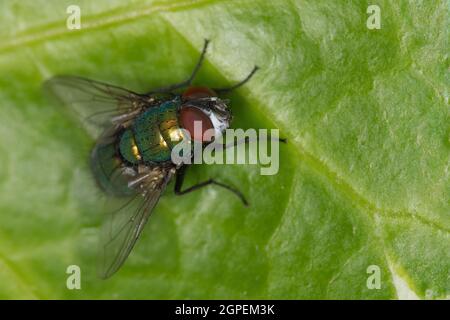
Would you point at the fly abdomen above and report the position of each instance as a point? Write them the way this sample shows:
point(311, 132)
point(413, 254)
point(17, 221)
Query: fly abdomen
point(128, 148)
point(108, 166)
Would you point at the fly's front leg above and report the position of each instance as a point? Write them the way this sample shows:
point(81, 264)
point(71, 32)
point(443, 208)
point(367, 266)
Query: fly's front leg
point(247, 140)
point(180, 179)
point(237, 85)
point(189, 80)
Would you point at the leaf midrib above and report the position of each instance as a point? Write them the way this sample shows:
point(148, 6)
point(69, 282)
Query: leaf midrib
point(112, 17)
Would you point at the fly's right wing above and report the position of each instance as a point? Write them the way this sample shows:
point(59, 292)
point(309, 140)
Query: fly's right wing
point(123, 227)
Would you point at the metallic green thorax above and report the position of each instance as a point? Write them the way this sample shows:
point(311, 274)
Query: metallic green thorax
point(152, 135)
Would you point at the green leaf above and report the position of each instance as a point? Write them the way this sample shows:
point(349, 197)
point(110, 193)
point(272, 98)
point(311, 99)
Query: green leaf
point(363, 180)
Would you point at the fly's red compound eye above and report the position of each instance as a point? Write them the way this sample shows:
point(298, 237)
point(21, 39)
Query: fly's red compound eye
point(188, 117)
point(198, 92)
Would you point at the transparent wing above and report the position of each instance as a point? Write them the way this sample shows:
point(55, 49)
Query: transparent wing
point(123, 227)
point(95, 103)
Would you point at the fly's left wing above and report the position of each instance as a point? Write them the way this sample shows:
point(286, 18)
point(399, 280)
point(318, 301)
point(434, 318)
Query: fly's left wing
point(123, 227)
point(95, 103)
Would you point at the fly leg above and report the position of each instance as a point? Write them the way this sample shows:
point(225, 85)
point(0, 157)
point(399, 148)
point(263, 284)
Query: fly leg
point(180, 179)
point(189, 80)
point(237, 85)
point(247, 141)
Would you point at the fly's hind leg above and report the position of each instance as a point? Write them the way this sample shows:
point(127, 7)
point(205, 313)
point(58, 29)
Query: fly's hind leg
point(189, 80)
point(180, 179)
